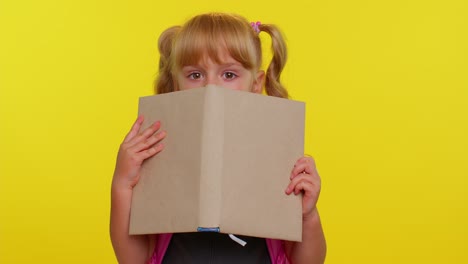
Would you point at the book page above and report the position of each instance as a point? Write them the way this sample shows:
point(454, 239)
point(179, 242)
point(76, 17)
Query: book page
point(264, 136)
point(167, 195)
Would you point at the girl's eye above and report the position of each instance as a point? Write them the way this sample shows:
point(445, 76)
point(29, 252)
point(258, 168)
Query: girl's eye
point(195, 75)
point(229, 75)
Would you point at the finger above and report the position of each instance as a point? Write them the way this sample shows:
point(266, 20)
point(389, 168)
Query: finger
point(151, 151)
point(302, 186)
point(300, 168)
point(306, 159)
point(148, 132)
point(312, 177)
point(149, 142)
point(297, 180)
point(134, 130)
point(303, 167)
point(309, 190)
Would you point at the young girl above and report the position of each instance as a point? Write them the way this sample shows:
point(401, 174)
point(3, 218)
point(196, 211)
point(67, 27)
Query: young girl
point(222, 50)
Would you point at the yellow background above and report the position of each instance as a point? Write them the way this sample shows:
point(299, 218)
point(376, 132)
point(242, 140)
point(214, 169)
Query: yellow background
point(387, 119)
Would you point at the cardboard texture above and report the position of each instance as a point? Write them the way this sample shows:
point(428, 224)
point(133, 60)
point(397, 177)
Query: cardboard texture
point(226, 163)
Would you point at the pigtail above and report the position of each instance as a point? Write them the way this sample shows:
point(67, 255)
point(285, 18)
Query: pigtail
point(165, 83)
point(273, 85)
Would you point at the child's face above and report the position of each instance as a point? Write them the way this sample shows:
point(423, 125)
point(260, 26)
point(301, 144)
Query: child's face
point(229, 74)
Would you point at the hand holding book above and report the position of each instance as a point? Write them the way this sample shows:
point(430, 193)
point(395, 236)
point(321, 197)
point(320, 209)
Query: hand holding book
point(136, 148)
point(305, 179)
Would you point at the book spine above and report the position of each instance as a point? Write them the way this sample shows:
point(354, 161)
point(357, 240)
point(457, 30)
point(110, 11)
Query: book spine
point(211, 158)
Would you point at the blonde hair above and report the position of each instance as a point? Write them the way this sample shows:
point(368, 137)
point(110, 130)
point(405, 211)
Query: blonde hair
point(211, 33)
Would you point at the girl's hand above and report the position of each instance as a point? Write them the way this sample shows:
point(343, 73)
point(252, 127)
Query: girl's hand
point(136, 148)
point(305, 179)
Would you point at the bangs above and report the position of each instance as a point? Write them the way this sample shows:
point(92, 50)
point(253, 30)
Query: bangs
point(209, 36)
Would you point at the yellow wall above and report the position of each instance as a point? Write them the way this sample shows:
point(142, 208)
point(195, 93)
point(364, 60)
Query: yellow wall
point(386, 86)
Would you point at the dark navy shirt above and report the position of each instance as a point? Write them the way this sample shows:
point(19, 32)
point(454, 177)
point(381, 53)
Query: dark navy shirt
point(208, 247)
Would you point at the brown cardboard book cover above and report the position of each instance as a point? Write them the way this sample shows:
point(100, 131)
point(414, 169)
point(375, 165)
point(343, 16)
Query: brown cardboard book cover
point(226, 163)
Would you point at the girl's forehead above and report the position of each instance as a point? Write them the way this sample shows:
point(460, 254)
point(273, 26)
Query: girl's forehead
point(219, 51)
point(222, 57)
point(206, 57)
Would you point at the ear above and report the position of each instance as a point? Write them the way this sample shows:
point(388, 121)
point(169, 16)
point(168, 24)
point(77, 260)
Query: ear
point(258, 82)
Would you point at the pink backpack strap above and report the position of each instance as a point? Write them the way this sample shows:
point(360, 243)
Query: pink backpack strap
point(162, 242)
point(275, 248)
point(277, 252)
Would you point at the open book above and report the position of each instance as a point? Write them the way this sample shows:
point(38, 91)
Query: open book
point(227, 160)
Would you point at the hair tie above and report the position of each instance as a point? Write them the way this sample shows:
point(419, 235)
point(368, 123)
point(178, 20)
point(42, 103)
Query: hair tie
point(255, 26)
